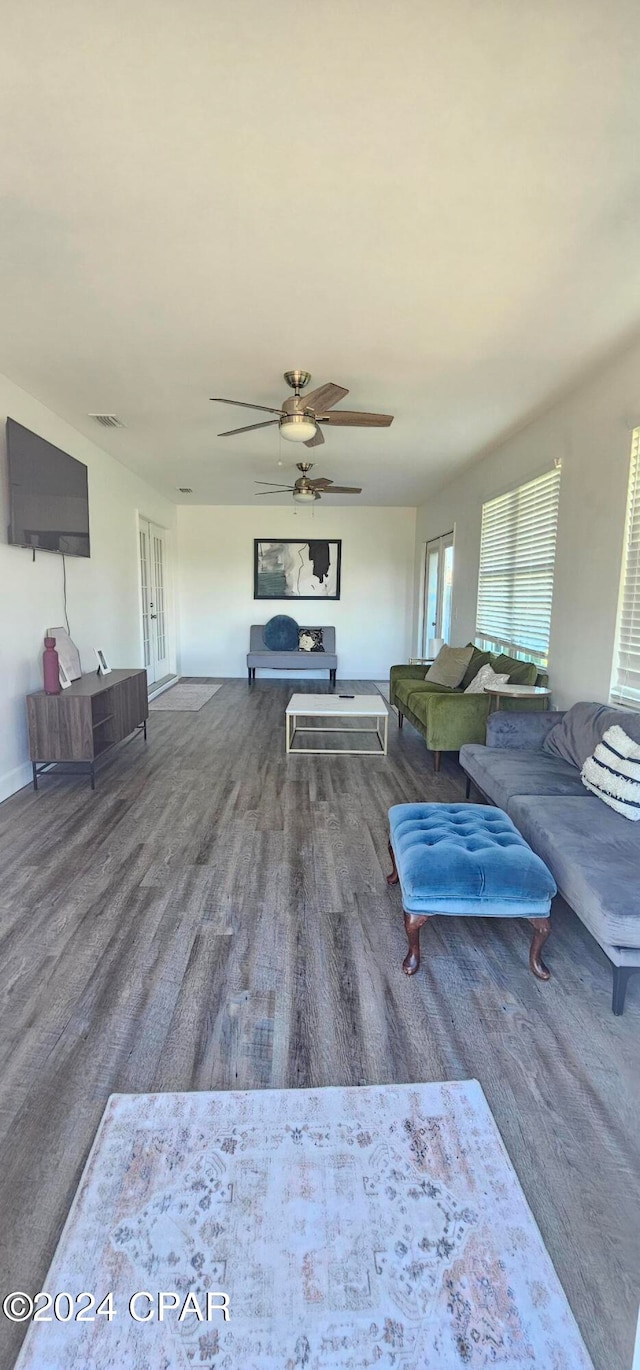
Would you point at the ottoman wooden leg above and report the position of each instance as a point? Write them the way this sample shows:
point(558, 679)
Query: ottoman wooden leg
point(394, 877)
point(541, 929)
point(413, 923)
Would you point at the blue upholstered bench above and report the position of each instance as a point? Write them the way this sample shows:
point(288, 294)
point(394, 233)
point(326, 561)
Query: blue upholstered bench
point(466, 859)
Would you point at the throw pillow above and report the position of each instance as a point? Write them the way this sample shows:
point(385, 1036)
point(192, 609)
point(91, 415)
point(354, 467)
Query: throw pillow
point(486, 679)
point(281, 634)
point(613, 773)
point(449, 666)
point(478, 659)
point(310, 640)
point(519, 672)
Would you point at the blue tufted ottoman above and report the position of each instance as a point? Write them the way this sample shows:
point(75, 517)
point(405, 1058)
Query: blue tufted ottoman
point(466, 859)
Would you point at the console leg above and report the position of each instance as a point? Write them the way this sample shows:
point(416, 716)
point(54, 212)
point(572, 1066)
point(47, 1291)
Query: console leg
point(400, 719)
point(35, 776)
point(413, 923)
point(144, 729)
point(437, 757)
point(541, 929)
point(394, 877)
point(621, 977)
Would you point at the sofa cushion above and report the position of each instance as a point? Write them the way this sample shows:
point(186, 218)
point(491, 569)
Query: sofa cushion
point(281, 634)
point(582, 728)
point(486, 679)
point(502, 773)
point(519, 672)
point(594, 855)
point(450, 666)
point(478, 659)
point(613, 773)
point(405, 688)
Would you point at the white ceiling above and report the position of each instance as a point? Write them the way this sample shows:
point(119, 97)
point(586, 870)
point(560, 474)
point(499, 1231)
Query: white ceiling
point(432, 202)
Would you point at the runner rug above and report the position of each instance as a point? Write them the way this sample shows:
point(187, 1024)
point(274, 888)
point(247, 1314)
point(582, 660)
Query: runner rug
point(381, 1226)
point(188, 698)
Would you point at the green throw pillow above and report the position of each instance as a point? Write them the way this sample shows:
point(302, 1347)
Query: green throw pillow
point(449, 666)
point(519, 672)
point(478, 659)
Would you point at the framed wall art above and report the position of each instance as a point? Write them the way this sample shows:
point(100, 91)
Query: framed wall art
point(287, 568)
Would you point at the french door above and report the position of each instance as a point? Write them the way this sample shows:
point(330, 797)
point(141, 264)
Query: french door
point(153, 572)
point(438, 585)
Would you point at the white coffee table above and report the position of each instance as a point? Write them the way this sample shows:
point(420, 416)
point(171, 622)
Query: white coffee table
point(333, 708)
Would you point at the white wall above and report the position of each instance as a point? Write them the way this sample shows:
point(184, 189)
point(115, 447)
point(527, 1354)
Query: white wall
point(590, 431)
point(102, 592)
point(215, 558)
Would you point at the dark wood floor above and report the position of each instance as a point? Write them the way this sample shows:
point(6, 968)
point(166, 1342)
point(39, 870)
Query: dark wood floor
point(216, 917)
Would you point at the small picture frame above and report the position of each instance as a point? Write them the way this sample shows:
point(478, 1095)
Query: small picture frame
point(103, 665)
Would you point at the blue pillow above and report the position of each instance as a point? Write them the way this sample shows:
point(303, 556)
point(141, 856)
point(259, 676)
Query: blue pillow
point(281, 634)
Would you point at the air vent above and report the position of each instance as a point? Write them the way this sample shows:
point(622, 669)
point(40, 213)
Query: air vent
point(184, 489)
point(108, 420)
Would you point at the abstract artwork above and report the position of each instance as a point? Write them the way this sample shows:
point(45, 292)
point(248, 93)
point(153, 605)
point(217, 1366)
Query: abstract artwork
point(381, 1226)
point(289, 569)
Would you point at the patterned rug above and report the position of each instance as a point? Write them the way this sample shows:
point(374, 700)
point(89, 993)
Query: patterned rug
point(381, 1226)
point(185, 698)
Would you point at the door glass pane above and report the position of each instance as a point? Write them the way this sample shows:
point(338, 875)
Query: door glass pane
point(158, 563)
point(431, 613)
point(144, 580)
point(447, 587)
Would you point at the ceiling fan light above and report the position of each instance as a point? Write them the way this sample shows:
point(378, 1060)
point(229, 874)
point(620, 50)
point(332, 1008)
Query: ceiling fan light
point(304, 496)
point(297, 428)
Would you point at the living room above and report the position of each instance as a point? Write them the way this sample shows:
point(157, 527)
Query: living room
point(320, 921)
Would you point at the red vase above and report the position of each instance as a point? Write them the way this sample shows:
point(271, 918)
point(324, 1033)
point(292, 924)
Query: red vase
point(51, 667)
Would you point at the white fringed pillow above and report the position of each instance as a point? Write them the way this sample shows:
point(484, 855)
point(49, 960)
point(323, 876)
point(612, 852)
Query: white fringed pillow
point(613, 772)
point(486, 678)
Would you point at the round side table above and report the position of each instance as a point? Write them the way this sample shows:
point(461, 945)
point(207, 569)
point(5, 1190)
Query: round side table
point(499, 692)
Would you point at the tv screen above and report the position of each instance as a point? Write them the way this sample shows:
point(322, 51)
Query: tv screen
point(48, 495)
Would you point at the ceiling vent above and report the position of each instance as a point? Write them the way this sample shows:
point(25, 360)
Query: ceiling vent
point(107, 420)
point(185, 489)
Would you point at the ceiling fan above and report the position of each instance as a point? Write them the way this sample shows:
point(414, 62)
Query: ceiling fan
point(300, 415)
point(306, 491)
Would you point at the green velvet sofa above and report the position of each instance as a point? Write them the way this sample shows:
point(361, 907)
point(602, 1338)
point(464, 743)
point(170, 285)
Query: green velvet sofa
point(446, 718)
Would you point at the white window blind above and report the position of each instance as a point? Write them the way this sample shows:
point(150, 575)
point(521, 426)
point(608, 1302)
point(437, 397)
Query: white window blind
point(625, 687)
point(517, 558)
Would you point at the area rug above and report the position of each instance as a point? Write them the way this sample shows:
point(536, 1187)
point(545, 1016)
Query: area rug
point(381, 1226)
point(185, 698)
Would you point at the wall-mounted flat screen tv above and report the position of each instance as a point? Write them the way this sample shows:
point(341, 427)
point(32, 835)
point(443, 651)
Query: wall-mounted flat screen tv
point(48, 495)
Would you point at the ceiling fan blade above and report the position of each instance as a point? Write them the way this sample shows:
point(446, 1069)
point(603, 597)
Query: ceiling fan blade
point(324, 397)
point(343, 490)
point(274, 484)
point(242, 404)
point(320, 482)
point(317, 440)
point(286, 490)
point(249, 428)
point(351, 418)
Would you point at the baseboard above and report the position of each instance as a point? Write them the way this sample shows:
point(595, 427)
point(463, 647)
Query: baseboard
point(15, 780)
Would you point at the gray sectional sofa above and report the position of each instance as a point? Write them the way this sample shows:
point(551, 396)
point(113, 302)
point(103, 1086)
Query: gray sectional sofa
point(260, 658)
point(530, 767)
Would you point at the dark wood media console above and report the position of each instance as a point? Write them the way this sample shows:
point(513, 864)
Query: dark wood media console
point(84, 721)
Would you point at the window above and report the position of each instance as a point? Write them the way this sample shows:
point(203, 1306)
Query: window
point(517, 557)
point(625, 686)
